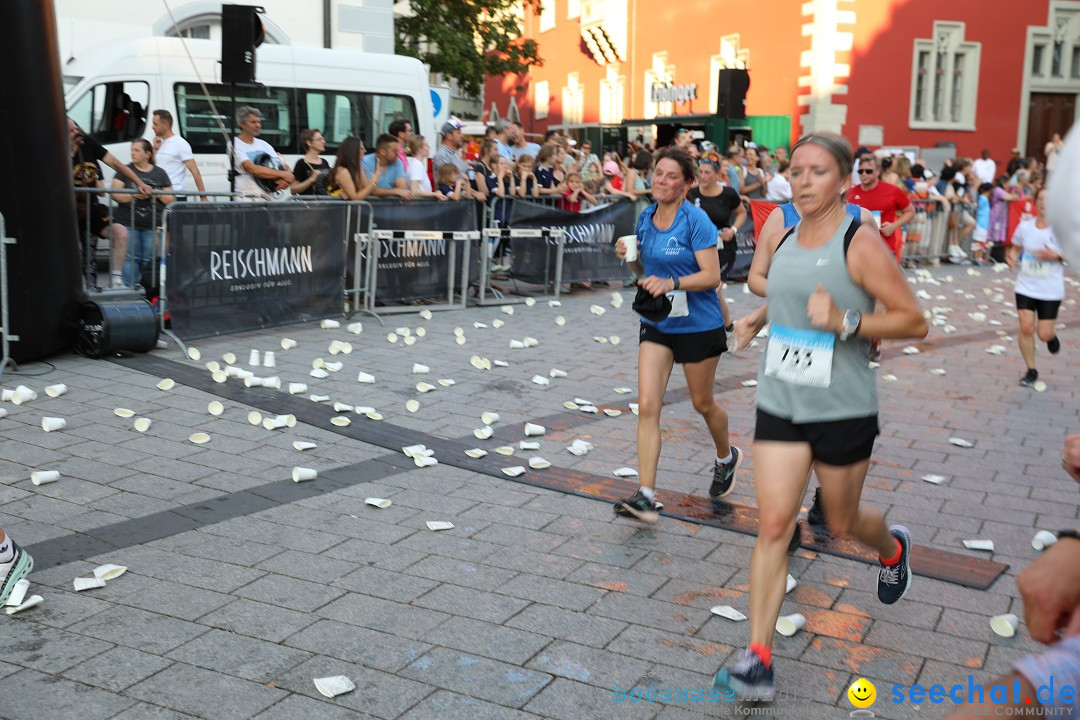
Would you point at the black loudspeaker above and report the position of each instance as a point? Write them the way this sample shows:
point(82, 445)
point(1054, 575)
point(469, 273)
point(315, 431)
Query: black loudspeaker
point(111, 326)
point(732, 94)
point(241, 32)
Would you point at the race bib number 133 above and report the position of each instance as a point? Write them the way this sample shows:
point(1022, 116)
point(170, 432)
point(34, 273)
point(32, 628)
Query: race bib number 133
point(802, 357)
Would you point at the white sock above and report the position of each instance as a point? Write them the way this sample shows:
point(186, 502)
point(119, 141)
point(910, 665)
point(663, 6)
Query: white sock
point(721, 461)
point(7, 551)
point(649, 493)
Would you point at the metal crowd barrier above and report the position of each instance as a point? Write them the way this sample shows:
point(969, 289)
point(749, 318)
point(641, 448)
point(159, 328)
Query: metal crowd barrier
point(6, 338)
point(927, 236)
point(411, 281)
point(552, 275)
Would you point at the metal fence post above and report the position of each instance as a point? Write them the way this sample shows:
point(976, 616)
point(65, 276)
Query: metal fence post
point(5, 321)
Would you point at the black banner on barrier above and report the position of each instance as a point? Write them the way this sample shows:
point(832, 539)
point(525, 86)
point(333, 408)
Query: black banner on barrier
point(417, 269)
point(744, 251)
point(588, 253)
point(243, 266)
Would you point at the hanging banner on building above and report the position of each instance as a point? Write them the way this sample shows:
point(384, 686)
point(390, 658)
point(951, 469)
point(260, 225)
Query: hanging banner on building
point(416, 267)
point(245, 266)
point(588, 250)
point(1019, 211)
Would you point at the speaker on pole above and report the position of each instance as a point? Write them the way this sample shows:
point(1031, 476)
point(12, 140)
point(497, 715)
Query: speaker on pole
point(731, 102)
point(241, 32)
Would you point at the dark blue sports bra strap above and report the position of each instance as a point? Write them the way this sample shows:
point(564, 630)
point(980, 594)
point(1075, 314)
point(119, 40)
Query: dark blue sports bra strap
point(850, 233)
point(786, 236)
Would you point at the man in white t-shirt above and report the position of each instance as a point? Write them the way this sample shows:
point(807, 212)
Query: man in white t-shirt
point(985, 168)
point(259, 169)
point(172, 154)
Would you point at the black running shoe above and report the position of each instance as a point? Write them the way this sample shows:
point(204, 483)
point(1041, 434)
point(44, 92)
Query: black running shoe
point(796, 538)
point(638, 507)
point(816, 516)
point(1053, 345)
point(875, 350)
point(724, 474)
point(1029, 378)
point(749, 680)
point(894, 580)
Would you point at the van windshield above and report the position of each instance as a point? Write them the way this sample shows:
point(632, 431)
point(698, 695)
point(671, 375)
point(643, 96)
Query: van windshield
point(287, 111)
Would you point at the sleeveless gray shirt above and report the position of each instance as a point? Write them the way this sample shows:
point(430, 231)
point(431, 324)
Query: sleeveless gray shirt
point(793, 276)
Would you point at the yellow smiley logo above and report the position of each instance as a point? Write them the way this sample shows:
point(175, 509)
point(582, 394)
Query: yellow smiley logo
point(862, 693)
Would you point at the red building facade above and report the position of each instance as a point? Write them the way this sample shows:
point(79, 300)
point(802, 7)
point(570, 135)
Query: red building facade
point(980, 74)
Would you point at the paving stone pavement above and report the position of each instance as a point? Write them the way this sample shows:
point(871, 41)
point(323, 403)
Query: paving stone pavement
point(242, 587)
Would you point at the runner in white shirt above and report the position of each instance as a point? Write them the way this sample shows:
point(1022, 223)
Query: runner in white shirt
point(172, 154)
point(1040, 284)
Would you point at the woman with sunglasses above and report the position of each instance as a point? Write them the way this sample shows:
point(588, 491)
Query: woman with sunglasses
point(816, 397)
point(724, 207)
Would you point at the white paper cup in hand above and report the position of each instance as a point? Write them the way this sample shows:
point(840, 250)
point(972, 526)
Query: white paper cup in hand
point(788, 625)
point(630, 242)
point(1005, 625)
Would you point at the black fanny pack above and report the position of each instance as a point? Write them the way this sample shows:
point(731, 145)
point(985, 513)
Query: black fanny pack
point(653, 309)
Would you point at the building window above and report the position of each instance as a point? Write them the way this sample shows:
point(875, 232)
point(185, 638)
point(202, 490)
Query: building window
point(945, 80)
point(573, 100)
point(612, 96)
point(1075, 62)
point(573, 9)
point(542, 100)
point(1037, 53)
point(547, 15)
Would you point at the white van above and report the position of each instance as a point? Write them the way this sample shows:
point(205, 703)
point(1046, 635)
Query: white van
point(341, 92)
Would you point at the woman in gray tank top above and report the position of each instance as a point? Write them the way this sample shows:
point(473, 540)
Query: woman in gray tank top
point(816, 395)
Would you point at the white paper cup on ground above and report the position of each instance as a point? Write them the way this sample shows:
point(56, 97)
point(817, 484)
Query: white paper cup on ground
point(726, 611)
point(88, 583)
point(419, 369)
point(269, 359)
point(49, 424)
point(1004, 625)
point(330, 324)
point(366, 378)
point(297, 388)
point(23, 394)
point(1043, 539)
point(288, 343)
point(381, 503)
point(44, 477)
point(630, 242)
point(302, 445)
point(336, 685)
point(215, 408)
point(18, 593)
point(489, 418)
point(254, 359)
point(439, 525)
point(109, 571)
point(32, 601)
point(142, 424)
point(300, 474)
point(788, 625)
point(55, 391)
point(484, 433)
point(199, 438)
point(533, 430)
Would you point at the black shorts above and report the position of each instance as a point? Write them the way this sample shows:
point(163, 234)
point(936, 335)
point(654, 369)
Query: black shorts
point(727, 259)
point(99, 219)
point(687, 347)
point(1045, 309)
point(836, 442)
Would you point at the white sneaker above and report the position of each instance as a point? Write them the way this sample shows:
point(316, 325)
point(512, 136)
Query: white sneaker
point(118, 282)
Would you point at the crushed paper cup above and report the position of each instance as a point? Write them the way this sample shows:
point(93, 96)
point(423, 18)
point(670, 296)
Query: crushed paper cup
point(484, 433)
point(612, 412)
point(479, 326)
point(538, 463)
point(446, 382)
point(215, 408)
point(302, 445)
point(318, 398)
point(996, 349)
point(507, 309)
point(530, 342)
point(300, 474)
point(422, 461)
point(229, 358)
point(419, 369)
point(334, 347)
point(18, 593)
point(49, 424)
point(516, 345)
point(477, 362)
point(579, 447)
point(890, 377)
point(3, 412)
point(340, 421)
point(459, 331)
point(600, 339)
point(1004, 625)
point(199, 438)
point(381, 503)
point(340, 407)
point(366, 378)
point(166, 384)
point(790, 584)
point(623, 390)
point(961, 442)
point(569, 405)
point(476, 453)
point(979, 545)
point(412, 405)
point(873, 365)
point(1039, 386)
point(937, 371)
point(624, 472)
point(726, 611)
point(255, 417)
point(355, 328)
point(634, 408)
point(219, 377)
point(44, 477)
point(424, 387)
point(88, 583)
point(194, 354)
point(319, 374)
point(420, 332)
point(496, 363)
point(497, 323)
point(532, 429)
point(333, 366)
point(123, 412)
point(439, 525)
point(614, 340)
point(589, 409)
point(560, 320)
point(788, 625)
point(505, 450)
point(616, 300)
point(288, 343)
point(109, 571)
point(513, 470)
point(934, 479)
point(334, 686)
point(269, 359)
point(374, 415)
point(329, 324)
point(55, 391)
point(274, 423)
point(32, 601)
point(528, 445)
point(392, 338)
point(345, 348)
point(910, 350)
point(540, 380)
point(426, 314)
point(142, 424)
point(554, 303)
point(415, 450)
point(557, 373)
point(297, 388)
point(1043, 539)
point(749, 383)
point(597, 310)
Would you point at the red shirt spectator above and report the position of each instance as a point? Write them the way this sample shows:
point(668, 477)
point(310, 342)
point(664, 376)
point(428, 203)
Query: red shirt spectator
point(886, 201)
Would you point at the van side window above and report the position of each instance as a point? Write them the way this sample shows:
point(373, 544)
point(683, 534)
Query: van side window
point(113, 112)
point(198, 124)
point(340, 113)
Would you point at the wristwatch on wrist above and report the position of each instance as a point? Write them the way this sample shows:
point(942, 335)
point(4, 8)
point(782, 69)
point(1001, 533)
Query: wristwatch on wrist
point(674, 283)
point(1074, 534)
point(850, 324)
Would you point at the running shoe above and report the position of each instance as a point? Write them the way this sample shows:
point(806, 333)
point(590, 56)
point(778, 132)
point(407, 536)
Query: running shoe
point(796, 538)
point(894, 580)
point(14, 571)
point(638, 507)
point(1053, 345)
point(816, 516)
point(749, 680)
point(875, 350)
point(1029, 377)
point(724, 474)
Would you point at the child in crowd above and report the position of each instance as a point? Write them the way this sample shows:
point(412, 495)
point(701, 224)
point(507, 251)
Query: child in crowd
point(451, 182)
point(613, 181)
point(574, 193)
point(545, 171)
point(526, 181)
point(981, 233)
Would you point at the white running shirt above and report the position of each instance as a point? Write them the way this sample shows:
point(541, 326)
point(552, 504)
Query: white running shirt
point(1038, 279)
